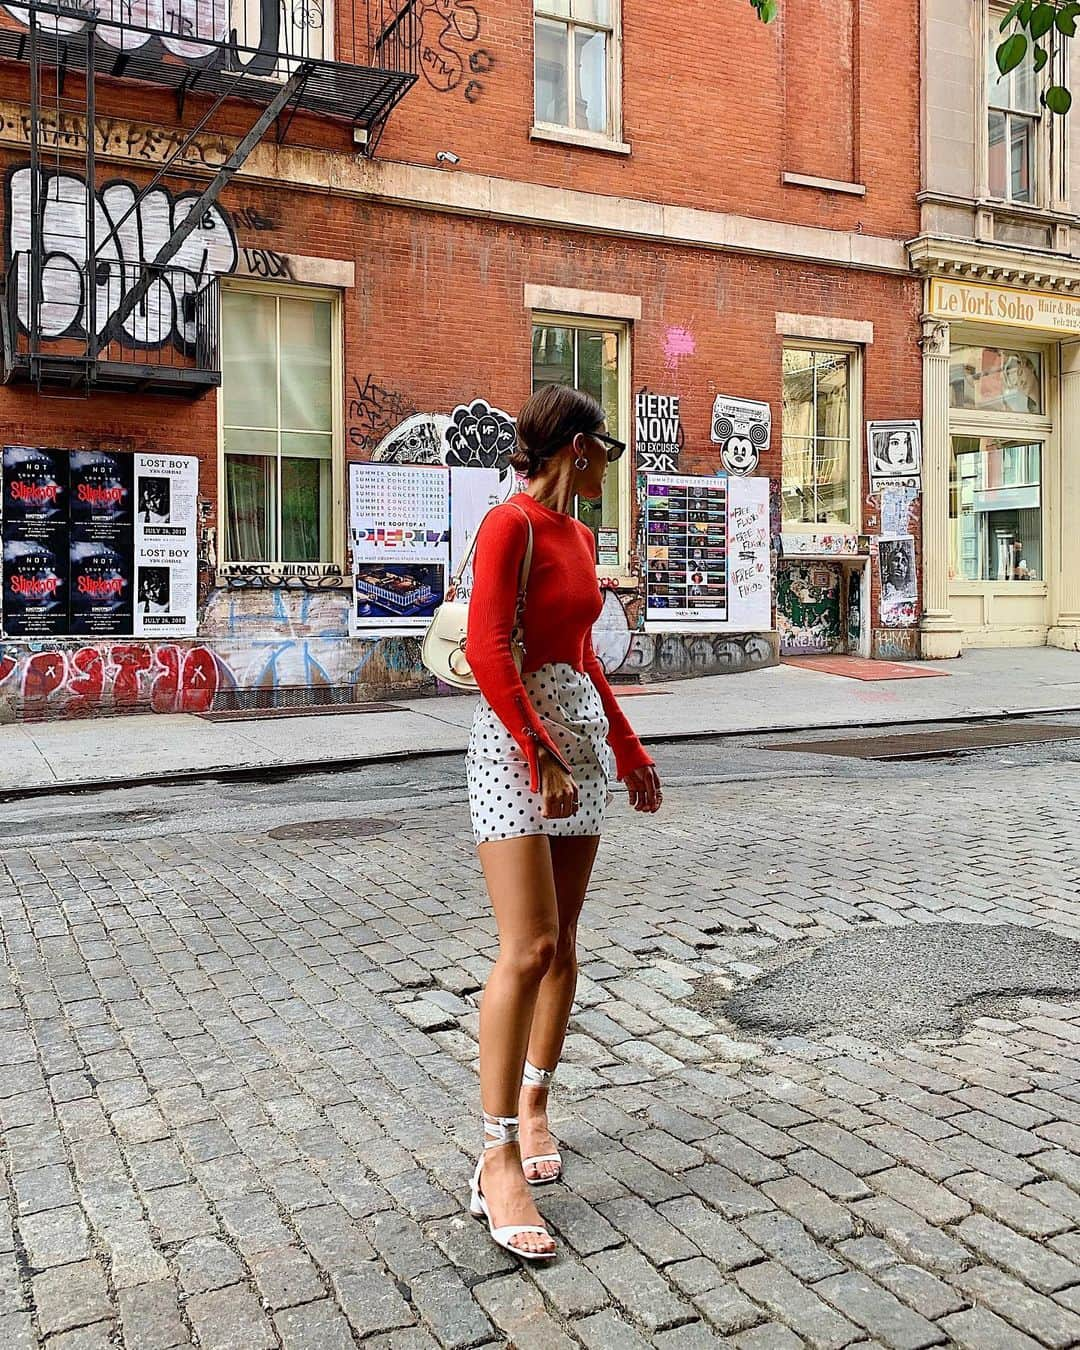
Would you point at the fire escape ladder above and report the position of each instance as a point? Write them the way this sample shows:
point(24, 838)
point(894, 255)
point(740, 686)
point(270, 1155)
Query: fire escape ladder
point(113, 330)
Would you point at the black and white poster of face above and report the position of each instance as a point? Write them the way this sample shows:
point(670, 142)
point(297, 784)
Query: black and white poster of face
point(895, 453)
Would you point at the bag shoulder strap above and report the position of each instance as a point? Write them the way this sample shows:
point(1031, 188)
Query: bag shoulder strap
point(526, 562)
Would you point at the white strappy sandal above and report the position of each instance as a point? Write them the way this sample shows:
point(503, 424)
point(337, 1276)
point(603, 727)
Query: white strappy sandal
point(499, 1130)
point(534, 1077)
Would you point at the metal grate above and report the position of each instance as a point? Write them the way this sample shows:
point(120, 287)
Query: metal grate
point(294, 698)
point(934, 744)
point(259, 714)
point(360, 827)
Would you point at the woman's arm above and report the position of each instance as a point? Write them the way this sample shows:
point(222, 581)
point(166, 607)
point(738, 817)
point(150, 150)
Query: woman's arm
point(500, 550)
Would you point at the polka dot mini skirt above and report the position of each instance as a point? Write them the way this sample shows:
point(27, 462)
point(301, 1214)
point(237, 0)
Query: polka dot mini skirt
point(500, 802)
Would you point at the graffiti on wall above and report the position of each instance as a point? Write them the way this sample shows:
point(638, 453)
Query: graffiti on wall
point(169, 312)
point(899, 583)
point(670, 655)
point(447, 32)
point(77, 681)
point(268, 27)
point(808, 604)
point(374, 412)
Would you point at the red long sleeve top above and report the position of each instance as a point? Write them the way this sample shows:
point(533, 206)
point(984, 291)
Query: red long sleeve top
point(562, 602)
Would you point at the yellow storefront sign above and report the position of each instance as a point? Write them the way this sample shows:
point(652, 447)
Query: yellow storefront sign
point(961, 301)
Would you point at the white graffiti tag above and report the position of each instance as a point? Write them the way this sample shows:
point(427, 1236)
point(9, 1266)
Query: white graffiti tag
point(169, 312)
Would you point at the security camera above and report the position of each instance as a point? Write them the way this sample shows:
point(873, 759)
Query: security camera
point(447, 157)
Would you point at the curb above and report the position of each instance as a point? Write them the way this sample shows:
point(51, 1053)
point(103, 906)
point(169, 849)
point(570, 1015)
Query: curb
point(296, 768)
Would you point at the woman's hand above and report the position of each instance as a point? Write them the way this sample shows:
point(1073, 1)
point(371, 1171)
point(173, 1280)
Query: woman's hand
point(557, 788)
point(643, 789)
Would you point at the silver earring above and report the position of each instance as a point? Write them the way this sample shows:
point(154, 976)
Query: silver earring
point(581, 463)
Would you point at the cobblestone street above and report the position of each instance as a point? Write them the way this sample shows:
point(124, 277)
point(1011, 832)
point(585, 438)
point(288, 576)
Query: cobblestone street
point(239, 1104)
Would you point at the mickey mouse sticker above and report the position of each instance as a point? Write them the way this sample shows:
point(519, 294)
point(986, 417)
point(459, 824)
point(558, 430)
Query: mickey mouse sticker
point(743, 429)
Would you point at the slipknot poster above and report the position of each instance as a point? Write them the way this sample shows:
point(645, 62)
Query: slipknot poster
point(98, 543)
point(101, 486)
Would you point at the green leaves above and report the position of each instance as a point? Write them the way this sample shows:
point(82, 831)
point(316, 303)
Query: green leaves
point(1058, 99)
point(1041, 56)
point(767, 10)
point(1011, 52)
point(1066, 20)
point(1042, 20)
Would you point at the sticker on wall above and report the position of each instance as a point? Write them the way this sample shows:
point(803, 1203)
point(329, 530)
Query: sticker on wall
point(743, 429)
point(899, 584)
point(607, 547)
point(895, 454)
point(658, 431)
point(480, 437)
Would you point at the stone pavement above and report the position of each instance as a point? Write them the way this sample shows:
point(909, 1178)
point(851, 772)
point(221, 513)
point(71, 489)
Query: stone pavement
point(53, 754)
point(239, 1109)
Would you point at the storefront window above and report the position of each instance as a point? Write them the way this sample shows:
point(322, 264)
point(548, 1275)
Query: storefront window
point(817, 423)
point(995, 379)
point(574, 41)
point(589, 357)
point(995, 510)
point(277, 396)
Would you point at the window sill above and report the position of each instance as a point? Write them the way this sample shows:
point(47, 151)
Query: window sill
point(823, 184)
point(584, 140)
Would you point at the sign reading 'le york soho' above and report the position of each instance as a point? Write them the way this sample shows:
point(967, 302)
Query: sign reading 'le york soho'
point(1002, 304)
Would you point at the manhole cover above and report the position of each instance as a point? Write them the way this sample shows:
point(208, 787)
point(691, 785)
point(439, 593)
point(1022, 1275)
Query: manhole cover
point(356, 827)
point(892, 985)
point(931, 744)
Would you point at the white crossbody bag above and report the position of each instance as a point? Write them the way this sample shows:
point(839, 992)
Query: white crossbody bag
point(443, 649)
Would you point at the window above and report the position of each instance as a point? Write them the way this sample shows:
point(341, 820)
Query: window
point(593, 355)
point(279, 425)
point(995, 379)
point(995, 509)
point(1012, 125)
point(818, 430)
point(575, 47)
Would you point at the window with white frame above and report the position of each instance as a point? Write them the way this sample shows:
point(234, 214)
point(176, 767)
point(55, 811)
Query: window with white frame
point(1013, 125)
point(279, 425)
point(821, 417)
point(576, 65)
point(593, 355)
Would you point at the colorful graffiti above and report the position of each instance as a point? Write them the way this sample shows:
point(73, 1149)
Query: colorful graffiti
point(121, 676)
point(808, 605)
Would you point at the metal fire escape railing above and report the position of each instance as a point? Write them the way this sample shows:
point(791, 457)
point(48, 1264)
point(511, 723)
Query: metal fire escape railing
point(279, 57)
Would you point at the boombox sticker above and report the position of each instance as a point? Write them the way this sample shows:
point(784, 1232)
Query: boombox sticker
point(742, 428)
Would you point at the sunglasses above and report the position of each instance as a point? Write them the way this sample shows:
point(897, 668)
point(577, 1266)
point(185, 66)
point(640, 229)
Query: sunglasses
point(614, 448)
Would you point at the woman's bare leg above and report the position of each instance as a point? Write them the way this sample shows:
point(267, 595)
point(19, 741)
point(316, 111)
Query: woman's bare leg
point(521, 884)
point(572, 863)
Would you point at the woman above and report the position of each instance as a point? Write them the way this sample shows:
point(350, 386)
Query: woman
point(538, 771)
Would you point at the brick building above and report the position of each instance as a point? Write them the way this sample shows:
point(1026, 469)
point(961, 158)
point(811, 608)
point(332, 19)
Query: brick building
point(410, 209)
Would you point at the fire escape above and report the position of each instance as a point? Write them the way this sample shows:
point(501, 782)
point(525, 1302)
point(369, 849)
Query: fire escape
point(79, 312)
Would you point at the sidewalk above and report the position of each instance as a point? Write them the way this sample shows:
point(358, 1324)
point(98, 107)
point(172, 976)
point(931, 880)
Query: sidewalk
point(80, 754)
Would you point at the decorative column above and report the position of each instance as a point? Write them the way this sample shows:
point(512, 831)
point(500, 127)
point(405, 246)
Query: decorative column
point(1064, 540)
point(940, 632)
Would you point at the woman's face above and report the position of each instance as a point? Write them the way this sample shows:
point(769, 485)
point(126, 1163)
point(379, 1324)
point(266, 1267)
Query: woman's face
point(589, 482)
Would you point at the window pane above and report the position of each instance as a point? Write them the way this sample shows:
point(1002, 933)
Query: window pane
point(997, 160)
point(593, 11)
point(305, 510)
point(590, 56)
point(995, 510)
point(1025, 96)
point(249, 496)
point(559, 7)
point(598, 372)
point(307, 364)
point(249, 359)
point(816, 437)
point(1021, 157)
point(552, 76)
point(995, 379)
point(831, 394)
point(553, 356)
point(798, 484)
